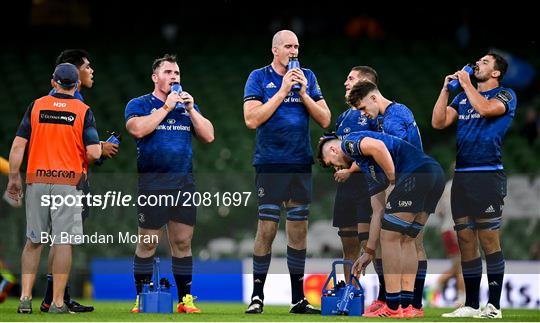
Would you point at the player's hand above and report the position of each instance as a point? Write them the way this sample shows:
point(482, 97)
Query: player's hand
point(172, 99)
point(447, 80)
point(342, 175)
point(108, 149)
point(188, 100)
point(300, 78)
point(361, 264)
point(464, 78)
point(14, 187)
point(288, 82)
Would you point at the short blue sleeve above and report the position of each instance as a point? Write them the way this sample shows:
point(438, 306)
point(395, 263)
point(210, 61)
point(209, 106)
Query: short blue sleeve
point(254, 89)
point(314, 89)
point(90, 134)
point(351, 145)
point(134, 108)
point(508, 98)
point(457, 99)
point(25, 127)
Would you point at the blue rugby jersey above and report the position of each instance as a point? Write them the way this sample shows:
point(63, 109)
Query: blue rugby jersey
point(405, 156)
point(399, 121)
point(284, 138)
point(479, 139)
point(164, 157)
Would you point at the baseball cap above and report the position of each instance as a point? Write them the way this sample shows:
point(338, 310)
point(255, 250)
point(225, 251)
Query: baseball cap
point(66, 75)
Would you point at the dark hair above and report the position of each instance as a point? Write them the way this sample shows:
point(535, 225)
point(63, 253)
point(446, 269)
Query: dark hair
point(501, 64)
point(359, 91)
point(73, 56)
point(158, 61)
point(368, 71)
point(328, 136)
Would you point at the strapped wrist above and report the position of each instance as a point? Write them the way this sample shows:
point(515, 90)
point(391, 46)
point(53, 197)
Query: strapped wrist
point(369, 251)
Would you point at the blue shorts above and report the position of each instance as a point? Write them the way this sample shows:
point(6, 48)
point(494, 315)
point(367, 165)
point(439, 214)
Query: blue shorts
point(278, 183)
point(155, 217)
point(417, 192)
point(352, 204)
point(478, 194)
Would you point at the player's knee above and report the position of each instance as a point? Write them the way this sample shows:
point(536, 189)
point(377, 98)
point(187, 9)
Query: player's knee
point(466, 237)
point(298, 213)
point(182, 245)
point(147, 246)
point(394, 224)
point(34, 245)
point(490, 242)
point(269, 212)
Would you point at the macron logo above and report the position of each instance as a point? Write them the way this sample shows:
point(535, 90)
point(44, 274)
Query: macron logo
point(271, 85)
point(490, 209)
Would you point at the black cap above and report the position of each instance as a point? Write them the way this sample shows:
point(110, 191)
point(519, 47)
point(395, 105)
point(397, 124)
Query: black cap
point(66, 75)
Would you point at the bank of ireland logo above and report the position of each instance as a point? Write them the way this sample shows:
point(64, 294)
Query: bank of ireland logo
point(171, 121)
point(261, 192)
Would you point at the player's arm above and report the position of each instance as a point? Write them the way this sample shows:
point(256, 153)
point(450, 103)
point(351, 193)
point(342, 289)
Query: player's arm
point(140, 127)
point(486, 108)
point(203, 127)
point(16, 155)
point(377, 149)
point(256, 113)
point(378, 206)
point(91, 138)
point(318, 110)
point(444, 115)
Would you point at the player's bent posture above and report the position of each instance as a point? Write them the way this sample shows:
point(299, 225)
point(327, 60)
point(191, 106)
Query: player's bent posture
point(282, 161)
point(416, 182)
point(483, 116)
point(164, 163)
point(397, 120)
point(353, 205)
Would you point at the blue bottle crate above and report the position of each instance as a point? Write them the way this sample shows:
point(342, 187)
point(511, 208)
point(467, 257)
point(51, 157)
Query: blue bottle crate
point(342, 300)
point(156, 297)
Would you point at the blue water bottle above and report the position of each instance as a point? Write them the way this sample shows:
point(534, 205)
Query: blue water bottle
point(176, 87)
point(454, 85)
point(294, 63)
point(115, 139)
point(346, 297)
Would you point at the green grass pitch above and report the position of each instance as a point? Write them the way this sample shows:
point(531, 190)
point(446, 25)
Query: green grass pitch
point(218, 312)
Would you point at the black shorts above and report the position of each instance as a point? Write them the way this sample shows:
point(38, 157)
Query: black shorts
point(278, 183)
point(352, 204)
point(478, 194)
point(156, 216)
point(417, 192)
